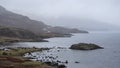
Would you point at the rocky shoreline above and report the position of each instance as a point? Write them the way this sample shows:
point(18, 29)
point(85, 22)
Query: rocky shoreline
point(16, 55)
point(13, 57)
point(12, 54)
point(50, 60)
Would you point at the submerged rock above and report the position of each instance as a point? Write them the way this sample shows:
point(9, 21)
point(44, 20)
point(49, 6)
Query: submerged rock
point(77, 62)
point(85, 46)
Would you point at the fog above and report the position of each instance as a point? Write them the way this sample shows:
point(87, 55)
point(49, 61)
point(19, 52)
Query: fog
point(84, 14)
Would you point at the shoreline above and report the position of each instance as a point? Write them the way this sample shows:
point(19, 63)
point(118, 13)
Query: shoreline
point(4, 40)
point(13, 57)
point(10, 40)
point(16, 56)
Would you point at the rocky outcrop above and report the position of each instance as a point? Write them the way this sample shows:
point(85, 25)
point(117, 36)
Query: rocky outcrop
point(85, 46)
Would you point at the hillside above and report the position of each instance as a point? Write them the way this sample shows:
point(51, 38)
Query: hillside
point(10, 19)
point(64, 30)
point(82, 23)
point(10, 35)
point(15, 32)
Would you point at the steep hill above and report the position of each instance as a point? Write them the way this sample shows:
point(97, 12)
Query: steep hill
point(10, 19)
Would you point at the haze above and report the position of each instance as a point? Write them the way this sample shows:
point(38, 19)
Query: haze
point(69, 13)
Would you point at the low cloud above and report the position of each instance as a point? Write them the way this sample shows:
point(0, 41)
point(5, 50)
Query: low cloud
point(101, 10)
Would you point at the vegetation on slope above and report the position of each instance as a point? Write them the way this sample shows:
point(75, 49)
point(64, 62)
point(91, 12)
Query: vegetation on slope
point(10, 19)
point(12, 58)
point(10, 35)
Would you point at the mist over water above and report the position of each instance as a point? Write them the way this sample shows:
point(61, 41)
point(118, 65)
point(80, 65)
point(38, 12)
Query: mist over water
point(82, 14)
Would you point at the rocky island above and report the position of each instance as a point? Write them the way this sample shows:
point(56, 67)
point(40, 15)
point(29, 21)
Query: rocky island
point(85, 46)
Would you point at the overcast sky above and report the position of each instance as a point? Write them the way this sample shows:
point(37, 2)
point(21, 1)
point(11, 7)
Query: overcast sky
point(107, 11)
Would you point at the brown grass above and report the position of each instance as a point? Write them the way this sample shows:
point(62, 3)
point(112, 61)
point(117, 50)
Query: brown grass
point(12, 58)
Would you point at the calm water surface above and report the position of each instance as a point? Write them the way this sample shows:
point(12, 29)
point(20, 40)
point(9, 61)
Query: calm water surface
point(109, 57)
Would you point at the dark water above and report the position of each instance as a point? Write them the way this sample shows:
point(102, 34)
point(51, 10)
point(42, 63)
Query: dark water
point(109, 57)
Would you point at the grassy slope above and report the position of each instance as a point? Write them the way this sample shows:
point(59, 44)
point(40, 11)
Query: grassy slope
point(12, 58)
point(10, 35)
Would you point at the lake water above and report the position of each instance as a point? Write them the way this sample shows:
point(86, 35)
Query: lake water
point(109, 57)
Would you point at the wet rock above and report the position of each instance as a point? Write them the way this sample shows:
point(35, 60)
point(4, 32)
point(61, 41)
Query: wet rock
point(77, 62)
point(54, 64)
point(58, 50)
point(58, 61)
point(61, 66)
point(48, 63)
point(66, 62)
point(61, 47)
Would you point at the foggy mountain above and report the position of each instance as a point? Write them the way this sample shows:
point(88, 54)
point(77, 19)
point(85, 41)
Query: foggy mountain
point(11, 19)
point(84, 24)
point(82, 14)
point(75, 22)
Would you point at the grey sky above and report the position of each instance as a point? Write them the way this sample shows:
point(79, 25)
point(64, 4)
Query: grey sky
point(100, 10)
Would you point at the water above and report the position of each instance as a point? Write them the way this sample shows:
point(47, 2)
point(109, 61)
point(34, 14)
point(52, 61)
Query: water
point(109, 57)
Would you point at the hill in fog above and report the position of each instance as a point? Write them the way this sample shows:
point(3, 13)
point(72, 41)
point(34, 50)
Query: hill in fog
point(80, 23)
point(10, 19)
